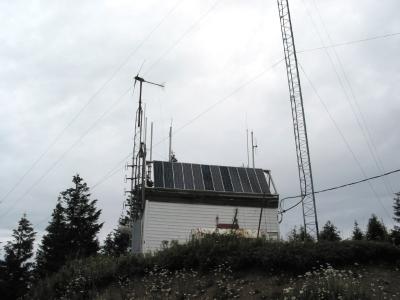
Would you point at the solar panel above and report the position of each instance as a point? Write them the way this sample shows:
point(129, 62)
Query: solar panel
point(217, 180)
point(253, 180)
point(188, 176)
point(168, 175)
point(207, 179)
point(237, 186)
point(263, 181)
point(184, 176)
point(244, 179)
point(198, 178)
point(226, 180)
point(158, 174)
point(178, 175)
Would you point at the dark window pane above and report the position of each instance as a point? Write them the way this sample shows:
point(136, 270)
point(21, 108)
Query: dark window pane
point(168, 176)
point(253, 180)
point(198, 178)
point(217, 180)
point(178, 175)
point(158, 174)
point(208, 183)
point(237, 187)
point(188, 176)
point(245, 180)
point(263, 181)
point(226, 179)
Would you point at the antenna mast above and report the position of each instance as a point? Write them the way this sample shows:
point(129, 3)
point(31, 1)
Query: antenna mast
point(247, 147)
point(253, 148)
point(136, 197)
point(170, 143)
point(299, 122)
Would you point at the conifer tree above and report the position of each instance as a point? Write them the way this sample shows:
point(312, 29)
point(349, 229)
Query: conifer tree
point(395, 232)
point(17, 265)
point(81, 217)
point(2, 277)
point(52, 252)
point(329, 233)
point(117, 242)
point(357, 233)
point(396, 208)
point(376, 230)
point(300, 235)
point(72, 232)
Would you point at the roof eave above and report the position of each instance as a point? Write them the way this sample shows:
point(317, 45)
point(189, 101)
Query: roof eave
point(212, 197)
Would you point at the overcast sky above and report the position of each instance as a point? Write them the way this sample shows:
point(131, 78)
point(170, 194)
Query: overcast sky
point(66, 81)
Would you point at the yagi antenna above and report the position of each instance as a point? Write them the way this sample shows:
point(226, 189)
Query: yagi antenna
point(140, 79)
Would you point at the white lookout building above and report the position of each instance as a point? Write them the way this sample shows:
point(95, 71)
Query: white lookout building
point(184, 199)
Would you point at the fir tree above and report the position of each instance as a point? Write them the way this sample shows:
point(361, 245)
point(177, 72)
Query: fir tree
point(81, 217)
point(395, 236)
point(357, 233)
point(3, 278)
point(329, 233)
point(17, 266)
point(53, 249)
point(118, 241)
point(395, 233)
point(376, 230)
point(300, 235)
point(72, 232)
point(396, 208)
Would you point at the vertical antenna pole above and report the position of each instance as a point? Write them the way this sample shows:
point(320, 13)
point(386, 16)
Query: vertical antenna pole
point(151, 141)
point(247, 147)
point(170, 144)
point(145, 130)
point(151, 152)
point(253, 147)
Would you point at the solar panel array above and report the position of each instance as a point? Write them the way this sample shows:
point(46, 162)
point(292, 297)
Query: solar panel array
point(185, 176)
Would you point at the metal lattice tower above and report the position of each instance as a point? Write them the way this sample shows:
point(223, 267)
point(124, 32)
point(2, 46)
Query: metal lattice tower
point(299, 122)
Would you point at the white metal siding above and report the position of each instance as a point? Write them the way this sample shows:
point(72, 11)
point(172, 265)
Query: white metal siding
point(172, 221)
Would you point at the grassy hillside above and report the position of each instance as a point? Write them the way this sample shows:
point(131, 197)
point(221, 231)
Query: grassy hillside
point(227, 267)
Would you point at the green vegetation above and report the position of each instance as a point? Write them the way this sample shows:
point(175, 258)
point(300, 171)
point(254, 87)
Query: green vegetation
point(357, 233)
point(329, 233)
point(16, 270)
point(72, 231)
point(84, 279)
point(117, 242)
point(376, 230)
point(299, 235)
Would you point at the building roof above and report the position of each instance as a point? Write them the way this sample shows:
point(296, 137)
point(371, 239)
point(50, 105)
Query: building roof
point(216, 183)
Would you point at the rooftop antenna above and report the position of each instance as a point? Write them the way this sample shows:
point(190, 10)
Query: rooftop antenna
point(253, 148)
point(247, 147)
point(151, 141)
point(247, 142)
point(151, 153)
point(170, 143)
point(138, 166)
